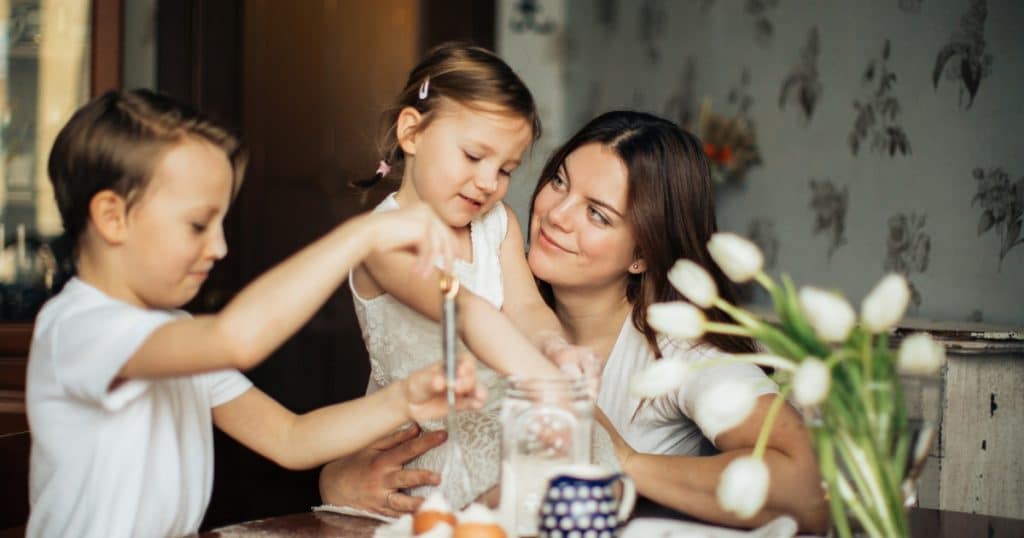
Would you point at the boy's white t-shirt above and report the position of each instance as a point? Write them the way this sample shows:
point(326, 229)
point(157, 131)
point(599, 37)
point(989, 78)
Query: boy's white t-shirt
point(133, 461)
point(668, 424)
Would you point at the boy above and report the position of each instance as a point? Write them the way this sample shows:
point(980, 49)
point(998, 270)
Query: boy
point(123, 387)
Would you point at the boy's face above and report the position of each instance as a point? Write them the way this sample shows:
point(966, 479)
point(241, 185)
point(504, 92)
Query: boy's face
point(175, 231)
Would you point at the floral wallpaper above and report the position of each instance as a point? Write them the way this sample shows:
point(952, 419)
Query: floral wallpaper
point(888, 131)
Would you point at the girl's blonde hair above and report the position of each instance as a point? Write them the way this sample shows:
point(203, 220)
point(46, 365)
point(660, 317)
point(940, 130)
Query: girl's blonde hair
point(466, 74)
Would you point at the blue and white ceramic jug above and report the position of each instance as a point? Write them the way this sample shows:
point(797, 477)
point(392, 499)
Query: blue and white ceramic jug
point(581, 503)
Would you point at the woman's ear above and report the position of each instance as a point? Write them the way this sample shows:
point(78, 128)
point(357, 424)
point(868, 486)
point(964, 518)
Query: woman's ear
point(406, 129)
point(637, 267)
point(108, 213)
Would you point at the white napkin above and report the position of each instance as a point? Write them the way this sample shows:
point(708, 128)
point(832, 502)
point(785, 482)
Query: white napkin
point(780, 527)
point(398, 528)
point(349, 511)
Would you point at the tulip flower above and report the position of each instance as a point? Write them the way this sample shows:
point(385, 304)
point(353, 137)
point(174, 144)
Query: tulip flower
point(661, 377)
point(920, 355)
point(739, 258)
point(883, 308)
point(694, 282)
point(743, 487)
point(829, 314)
point(811, 382)
point(725, 404)
point(677, 319)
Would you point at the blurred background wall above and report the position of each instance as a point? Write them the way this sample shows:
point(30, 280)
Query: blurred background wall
point(887, 129)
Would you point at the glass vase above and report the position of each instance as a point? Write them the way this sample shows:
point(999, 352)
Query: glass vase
point(873, 439)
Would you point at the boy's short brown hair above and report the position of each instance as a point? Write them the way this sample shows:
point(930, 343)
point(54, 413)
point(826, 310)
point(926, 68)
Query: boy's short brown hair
point(115, 142)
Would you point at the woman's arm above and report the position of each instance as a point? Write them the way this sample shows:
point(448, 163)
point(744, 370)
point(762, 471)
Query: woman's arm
point(305, 441)
point(688, 483)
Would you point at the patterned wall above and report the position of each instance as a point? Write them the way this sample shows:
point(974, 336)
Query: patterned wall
point(888, 129)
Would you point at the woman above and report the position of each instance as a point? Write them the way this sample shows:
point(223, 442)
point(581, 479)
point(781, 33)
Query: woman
point(615, 207)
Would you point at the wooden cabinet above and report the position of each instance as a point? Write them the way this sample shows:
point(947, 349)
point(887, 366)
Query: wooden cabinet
point(976, 465)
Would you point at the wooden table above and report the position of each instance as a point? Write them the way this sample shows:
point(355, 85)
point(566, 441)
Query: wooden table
point(924, 523)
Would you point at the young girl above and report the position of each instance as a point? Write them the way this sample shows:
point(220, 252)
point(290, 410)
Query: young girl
point(121, 384)
point(459, 129)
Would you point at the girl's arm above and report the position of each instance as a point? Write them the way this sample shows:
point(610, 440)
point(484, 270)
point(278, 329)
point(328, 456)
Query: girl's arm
point(688, 483)
point(488, 333)
point(274, 306)
point(306, 441)
point(523, 302)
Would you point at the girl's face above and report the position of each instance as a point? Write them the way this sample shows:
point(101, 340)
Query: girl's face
point(175, 231)
point(461, 162)
point(579, 235)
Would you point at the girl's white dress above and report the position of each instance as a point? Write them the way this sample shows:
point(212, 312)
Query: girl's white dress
point(400, 341)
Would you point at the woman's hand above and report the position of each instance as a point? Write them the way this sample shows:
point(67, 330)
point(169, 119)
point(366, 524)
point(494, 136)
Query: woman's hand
point(373, 479)
point(425, 391)
point(623, 452)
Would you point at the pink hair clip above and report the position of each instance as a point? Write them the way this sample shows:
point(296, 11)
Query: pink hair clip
point(424, 88)
point(383, 169)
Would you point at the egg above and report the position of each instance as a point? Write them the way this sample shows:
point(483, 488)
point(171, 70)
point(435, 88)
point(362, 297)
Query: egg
point(479, 530)
point(434, 511)
point(477, 521)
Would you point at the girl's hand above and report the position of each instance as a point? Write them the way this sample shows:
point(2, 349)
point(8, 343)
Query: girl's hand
point(426, 395)
point(418, 229)
point(574, 361)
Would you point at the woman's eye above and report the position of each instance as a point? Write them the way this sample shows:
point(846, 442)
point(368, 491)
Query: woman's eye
point(506, 173)
point(470, 157)
point(198, 228)
point(558, 183)
point(596, 216)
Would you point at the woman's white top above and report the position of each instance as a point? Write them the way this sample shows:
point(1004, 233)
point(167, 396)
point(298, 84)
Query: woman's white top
point(668, 424)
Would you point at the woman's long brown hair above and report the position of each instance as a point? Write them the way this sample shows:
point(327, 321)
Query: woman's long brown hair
point(670, 207)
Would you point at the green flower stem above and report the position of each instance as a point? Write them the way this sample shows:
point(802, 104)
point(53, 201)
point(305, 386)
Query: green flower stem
point(778, 363)
point(827, 462)
point(769, 421)
point(858, 509)
point(725, 328)
point(866, 471)
point(740, 315)
point(866, 393)
point(765, 281)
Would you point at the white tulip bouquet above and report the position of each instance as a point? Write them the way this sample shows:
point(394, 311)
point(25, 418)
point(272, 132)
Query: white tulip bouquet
point(840, 372)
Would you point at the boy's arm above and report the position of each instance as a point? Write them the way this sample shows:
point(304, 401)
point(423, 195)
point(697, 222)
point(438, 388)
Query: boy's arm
point(274, 306)
point(487, 332)
point(305, 441)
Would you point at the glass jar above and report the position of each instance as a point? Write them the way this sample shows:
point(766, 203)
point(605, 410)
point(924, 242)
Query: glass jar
point(546, 424)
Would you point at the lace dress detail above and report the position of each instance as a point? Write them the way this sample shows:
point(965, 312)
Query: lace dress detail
point(401, 341)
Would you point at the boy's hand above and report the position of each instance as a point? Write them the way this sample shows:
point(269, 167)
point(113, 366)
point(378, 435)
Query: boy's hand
point(426, 396)
point(416, 228)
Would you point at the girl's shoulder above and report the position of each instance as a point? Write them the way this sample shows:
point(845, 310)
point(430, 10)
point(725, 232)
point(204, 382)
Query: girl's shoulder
point(492, 226)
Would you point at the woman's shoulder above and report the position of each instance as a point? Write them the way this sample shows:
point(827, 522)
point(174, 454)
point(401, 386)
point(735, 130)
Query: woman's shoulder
point(691, 350)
